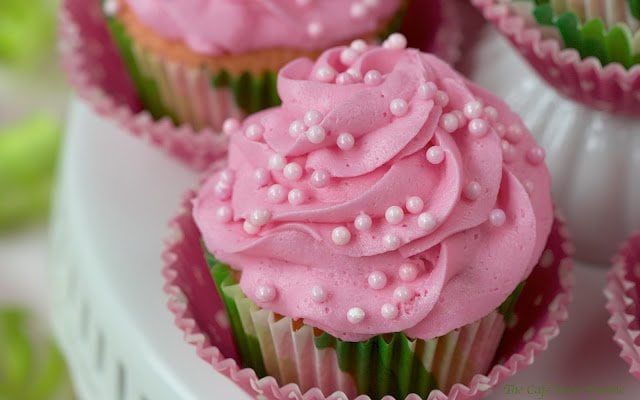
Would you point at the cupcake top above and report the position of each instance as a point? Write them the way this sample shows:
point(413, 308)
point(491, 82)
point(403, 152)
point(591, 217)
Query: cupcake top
point(236, 26)
point(386, 194)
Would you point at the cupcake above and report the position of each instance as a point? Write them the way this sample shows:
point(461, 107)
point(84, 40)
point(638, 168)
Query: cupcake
point(588, 50)
point(623, 292)
point(373, 236)
point(200, 62)
point(583, 111)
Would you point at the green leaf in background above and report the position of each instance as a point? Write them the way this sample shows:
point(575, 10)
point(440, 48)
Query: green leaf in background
point(28, 371)
point(28, 154)
point(27, 31)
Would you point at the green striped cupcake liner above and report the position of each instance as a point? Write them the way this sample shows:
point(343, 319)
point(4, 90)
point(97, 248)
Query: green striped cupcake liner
point(605, 29)
point(197, 95)
point(390, 364)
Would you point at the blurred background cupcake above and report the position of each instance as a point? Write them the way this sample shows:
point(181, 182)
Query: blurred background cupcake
point(201, 62)
point(578, 90)
point(377, 236)
point(623, 293)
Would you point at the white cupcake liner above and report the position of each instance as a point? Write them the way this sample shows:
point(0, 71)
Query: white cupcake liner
point(611, 88)
point(97, 74)
point(622, 292)
point(200, 314)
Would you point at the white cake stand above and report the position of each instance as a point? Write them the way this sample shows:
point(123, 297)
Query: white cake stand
point(115, 197)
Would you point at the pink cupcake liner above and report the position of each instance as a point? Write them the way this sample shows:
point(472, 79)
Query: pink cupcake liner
point(622, 292)
point(200, 314)
point(96, 72)
point(611, 88)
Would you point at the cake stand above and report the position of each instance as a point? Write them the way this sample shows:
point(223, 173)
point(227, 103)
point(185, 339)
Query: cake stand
point(115, 196)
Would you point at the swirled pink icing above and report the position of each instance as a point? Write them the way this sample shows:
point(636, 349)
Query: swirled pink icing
point(421, 208)
point(237, 26)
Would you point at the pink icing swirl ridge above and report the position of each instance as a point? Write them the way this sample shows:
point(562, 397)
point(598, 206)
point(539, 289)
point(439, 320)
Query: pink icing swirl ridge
point(400, 198)
point(247, 25)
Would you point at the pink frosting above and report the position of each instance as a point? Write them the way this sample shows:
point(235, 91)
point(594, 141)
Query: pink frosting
point(237, 26)
point(489, 197)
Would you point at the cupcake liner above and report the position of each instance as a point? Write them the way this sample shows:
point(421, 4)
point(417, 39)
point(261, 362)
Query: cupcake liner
point(283, 348)
point(200, 314)
point(611, 88)
point(622, 292)
point(195, 95)
point(95, 70)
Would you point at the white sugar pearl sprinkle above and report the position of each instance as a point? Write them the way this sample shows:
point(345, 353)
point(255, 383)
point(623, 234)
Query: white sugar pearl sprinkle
point(276, 194)
point(497, 217)
point(224, 214)
point(472, 191)
point(292, 171)
point(427, 90)
point(435, 155)
point(402, 294)
point(442, 98)
point(320, 178)
point(348, 56)
point(316, 134)
point(266, 294)
point(345, 78)
point(359, 45)
point(111, 7)
point(478, 127)
point(254, 132)
point(473, 109)
point(326, 74)
point(363, 222)
point(318, 294)
point(277, 162)
point(230, 126)
point(357, 76)
point(341, 236)
point(297, 128)
point(394, 215)
point(358, 10)
point(514, 134)
point(315, 29)
point(345, 141)
point(427, 222)
point(228, 176)
point(491, 113)
point(399, 107)
point(408, 272)
point(250, 228)
point(414, 204)
point(260, 217)
point(355, 315)
point(389, 311)
point(312, 117)
point(449, 122)
point(377, 280)
point(391, 241)
point(395, 41)
point(372, 78)
point(295, 197)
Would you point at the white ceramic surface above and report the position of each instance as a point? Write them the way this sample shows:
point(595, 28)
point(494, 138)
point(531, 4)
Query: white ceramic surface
point(115, 196)
point(594, 157)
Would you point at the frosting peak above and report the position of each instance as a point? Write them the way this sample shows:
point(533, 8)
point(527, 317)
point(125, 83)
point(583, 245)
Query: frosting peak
point(387, 182)
point(248, 25)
